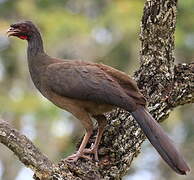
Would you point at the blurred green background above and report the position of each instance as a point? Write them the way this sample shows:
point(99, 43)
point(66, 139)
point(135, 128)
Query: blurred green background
point(97, 30)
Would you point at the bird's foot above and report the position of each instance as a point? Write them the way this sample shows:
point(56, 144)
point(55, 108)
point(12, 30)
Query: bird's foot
point(93, 151)
point(76, 156)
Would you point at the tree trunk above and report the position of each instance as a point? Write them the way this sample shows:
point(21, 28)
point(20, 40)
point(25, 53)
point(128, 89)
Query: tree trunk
point(164, 84)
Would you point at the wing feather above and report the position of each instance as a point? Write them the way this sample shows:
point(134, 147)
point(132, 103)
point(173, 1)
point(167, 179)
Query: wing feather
point(126, 82)
point(86, 82)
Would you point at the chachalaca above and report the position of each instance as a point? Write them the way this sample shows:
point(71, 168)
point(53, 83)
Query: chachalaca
point(88, 90)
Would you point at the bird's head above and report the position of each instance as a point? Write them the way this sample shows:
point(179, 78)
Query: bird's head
point(23, 30)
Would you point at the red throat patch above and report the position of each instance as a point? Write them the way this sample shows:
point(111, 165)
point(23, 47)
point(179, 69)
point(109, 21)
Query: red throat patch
point(23, 37)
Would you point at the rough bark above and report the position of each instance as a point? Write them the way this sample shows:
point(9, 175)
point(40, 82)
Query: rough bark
point(164, 84)
point(27, 153)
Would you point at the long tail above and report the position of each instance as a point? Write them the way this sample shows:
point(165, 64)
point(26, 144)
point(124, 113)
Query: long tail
point(161, 142)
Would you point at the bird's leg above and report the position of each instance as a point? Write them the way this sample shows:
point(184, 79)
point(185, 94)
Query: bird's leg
point(80, 152)
point(87, 123)
point(101, 119)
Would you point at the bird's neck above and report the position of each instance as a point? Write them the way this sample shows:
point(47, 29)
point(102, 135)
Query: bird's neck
point(35, 46)
point(38, 60)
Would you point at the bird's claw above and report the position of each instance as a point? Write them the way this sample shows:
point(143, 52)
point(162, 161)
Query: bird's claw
point(78, 155)
point(92, 151)
point(75, 157)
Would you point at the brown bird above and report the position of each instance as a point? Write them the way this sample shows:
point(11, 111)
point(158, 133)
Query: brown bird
point(88, 90)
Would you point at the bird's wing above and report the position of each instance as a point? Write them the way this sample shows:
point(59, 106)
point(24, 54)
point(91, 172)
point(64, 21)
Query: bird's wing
point(126, 82)
point(87, 82)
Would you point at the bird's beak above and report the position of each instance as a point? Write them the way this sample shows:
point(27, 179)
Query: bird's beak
point(12, 31)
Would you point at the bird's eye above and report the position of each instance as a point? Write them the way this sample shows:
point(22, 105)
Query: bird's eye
point(22, 27)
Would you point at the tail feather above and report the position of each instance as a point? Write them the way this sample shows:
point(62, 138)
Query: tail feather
point(161, 142)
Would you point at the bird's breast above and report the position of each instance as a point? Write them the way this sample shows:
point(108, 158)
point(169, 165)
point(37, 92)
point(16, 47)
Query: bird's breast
point(71, 104)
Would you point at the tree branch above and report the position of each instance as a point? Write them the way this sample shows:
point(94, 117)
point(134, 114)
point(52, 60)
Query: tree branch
point(157, 46)
point(183, 86)
point(156, 73)
point(24, 149)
